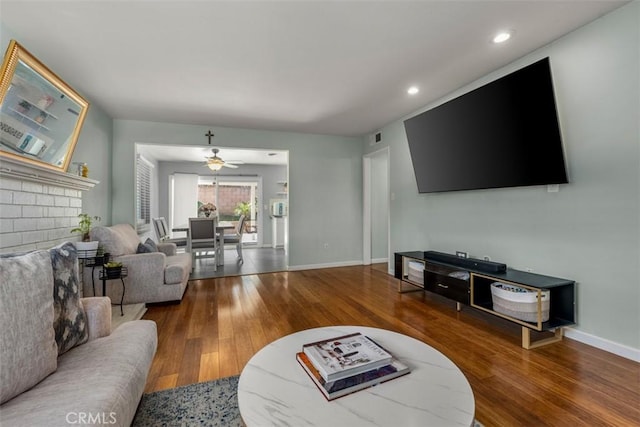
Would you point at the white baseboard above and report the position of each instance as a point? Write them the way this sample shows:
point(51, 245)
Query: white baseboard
point(379, 260)
point(603, 344)
point(328, 265)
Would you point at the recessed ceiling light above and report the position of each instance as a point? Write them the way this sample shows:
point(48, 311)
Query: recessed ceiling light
point(502, 37)
point(413, 90)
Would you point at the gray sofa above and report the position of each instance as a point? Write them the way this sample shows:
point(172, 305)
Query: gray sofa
point(61, 363)
point(152, 277)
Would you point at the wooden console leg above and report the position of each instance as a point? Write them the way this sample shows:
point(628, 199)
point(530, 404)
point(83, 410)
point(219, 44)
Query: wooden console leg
point(526, 338)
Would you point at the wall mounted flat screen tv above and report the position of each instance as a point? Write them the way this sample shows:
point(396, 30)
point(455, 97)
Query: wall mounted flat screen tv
point(503, 134)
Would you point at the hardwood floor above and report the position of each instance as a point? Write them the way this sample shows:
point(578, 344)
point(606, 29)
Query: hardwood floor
point(222, 322)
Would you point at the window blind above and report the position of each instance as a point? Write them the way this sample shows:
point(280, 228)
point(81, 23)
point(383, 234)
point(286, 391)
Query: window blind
point(143, 194)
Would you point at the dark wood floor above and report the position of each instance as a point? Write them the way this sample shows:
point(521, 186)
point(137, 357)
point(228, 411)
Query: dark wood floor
point(222, 322)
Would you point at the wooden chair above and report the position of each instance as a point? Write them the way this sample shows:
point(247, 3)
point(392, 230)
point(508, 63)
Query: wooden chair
point(203, 241)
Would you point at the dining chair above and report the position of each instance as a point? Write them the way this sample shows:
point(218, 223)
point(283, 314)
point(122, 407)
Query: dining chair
point(202, 240)
point(162, 232)
point(236, 237)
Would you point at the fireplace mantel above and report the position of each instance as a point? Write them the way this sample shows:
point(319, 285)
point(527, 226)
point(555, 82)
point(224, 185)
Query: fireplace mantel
point(10, 168)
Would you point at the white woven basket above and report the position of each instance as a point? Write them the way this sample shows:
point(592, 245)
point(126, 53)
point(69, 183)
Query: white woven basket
point(519, 303)
point(416, 272)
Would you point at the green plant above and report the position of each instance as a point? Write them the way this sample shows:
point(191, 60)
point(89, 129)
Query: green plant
point(113, 264)
point(84, 225)
point(243, 208)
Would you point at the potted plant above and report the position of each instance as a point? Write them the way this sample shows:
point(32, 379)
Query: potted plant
point(113, 269)
point(85, 248)
point(84, 225)
point(243, 208)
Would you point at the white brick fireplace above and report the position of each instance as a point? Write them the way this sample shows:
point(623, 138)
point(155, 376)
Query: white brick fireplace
point(38, 207)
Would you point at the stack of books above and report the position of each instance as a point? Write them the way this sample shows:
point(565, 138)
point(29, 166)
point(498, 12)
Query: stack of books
point(348, 363)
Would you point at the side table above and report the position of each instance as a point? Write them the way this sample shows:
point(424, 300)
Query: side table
point(90, 259)
point(105, 275)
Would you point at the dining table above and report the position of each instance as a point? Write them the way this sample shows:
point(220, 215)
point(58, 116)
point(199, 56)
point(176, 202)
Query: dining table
point(220, 228)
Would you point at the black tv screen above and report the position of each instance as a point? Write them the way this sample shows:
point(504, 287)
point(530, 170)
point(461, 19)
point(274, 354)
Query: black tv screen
point(503, 134)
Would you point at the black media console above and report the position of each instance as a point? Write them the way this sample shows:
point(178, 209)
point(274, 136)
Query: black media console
point(468, 281)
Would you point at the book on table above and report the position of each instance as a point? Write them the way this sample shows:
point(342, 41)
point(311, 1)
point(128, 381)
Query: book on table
point(345, 356)
point(347, 385)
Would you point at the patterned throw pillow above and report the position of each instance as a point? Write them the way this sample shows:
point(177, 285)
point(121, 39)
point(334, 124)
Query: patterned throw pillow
point(69, 321)
point(147, 247)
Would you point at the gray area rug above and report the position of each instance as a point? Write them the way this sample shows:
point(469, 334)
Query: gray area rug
point(212, 403)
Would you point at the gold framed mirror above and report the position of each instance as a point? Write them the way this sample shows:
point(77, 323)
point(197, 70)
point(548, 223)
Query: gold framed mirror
point(40, 115)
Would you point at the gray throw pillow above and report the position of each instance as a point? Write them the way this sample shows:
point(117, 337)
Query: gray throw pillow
point(28, 349)
point(147, 247)
point(69, 322)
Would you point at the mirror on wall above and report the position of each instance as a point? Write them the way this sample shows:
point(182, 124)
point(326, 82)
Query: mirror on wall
point(40, 115)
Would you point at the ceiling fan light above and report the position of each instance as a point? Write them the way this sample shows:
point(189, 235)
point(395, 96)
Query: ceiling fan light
point(214, 166)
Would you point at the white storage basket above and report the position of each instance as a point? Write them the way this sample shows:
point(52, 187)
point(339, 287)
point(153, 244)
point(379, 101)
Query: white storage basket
point(519, 303)
point(416, 272)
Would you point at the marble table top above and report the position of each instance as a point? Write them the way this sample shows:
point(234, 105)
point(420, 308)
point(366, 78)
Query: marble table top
point(274, 390)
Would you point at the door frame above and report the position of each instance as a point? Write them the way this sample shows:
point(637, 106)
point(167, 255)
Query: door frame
point(366, 203)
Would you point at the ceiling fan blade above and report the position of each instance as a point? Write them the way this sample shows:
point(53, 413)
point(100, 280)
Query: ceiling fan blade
point(228, 165)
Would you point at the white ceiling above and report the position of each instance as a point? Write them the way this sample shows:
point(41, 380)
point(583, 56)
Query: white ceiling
point(326, 67)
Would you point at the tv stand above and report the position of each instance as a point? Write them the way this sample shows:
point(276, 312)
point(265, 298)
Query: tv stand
point(468, 281)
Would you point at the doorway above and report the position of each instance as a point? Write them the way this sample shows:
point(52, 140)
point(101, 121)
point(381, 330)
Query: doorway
point(234, 196)
point(376, 207)
point(262, 172)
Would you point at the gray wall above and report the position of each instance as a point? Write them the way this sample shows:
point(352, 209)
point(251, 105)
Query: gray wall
point(270, 175)
point(94, 148)
point(589, 231)
point(325, 183)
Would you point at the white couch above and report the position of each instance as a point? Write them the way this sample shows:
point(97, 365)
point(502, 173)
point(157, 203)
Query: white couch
point(152, 277)
point(61, 363)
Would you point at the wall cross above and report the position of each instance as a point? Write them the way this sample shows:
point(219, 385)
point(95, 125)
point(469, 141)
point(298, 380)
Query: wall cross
point(209, 135)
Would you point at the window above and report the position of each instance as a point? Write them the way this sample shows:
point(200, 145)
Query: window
point(143, 194)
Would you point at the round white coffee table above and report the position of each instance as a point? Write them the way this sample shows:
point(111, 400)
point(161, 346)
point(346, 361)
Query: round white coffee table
point(275, 390)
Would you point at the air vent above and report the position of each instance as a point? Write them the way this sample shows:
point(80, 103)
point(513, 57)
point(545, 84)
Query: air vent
point(375, 138)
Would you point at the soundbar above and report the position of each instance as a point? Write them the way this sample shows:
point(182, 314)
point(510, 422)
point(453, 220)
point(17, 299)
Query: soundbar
point(470, 263)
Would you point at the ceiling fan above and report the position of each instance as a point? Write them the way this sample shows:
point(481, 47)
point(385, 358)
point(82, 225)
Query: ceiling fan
point(215, 163)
